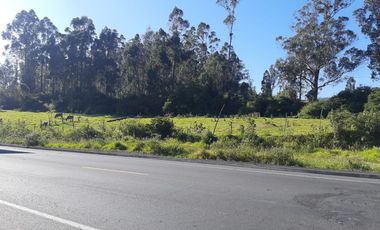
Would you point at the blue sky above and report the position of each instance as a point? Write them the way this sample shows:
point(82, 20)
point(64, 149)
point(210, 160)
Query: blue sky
point(258, 24)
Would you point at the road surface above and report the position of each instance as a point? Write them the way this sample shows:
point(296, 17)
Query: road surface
point(42, 189)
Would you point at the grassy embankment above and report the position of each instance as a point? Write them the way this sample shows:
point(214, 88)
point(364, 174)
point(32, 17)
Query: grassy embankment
point(281, 141)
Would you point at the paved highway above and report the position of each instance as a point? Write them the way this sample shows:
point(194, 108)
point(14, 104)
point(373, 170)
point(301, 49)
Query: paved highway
point(42, 189)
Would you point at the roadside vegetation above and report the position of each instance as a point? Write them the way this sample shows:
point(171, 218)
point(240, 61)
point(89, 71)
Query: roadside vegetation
point(331, 143)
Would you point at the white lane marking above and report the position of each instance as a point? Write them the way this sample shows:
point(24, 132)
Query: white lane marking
point(333, 178)
point(47, 216)
point(116, 171)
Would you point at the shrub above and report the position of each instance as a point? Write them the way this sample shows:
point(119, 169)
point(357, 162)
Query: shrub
point(167, 108)
point(209, 138)
point(165, 149)
point(315, 110)
point(134, 129)
point(34, 139)
point(162, 126)
point(353, 101)
point(358, 165)
point(350, 130)
point(85, 133)
point(250, 136)
point(183, 136)
point(228, 141)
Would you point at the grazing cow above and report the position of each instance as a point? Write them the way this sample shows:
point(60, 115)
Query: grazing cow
point(70, 118)
point(44, 124)
point(58, 115)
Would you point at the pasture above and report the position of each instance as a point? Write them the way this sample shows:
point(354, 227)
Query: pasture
point(281, 141)
point(226, 125)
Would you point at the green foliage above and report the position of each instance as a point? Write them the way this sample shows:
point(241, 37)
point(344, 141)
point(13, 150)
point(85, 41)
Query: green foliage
point(351, 100)
point(250, 135)
point(181, 71)
point(208, 137)
point(273, 106)
point(325, 62)
point(361, 130)
point(277, 156)
point(183, 136)
point(34, 139)
point(373, 103)
point(162, 126)
point(84, 133)
point(168, 149)
point(134, 129)
point(314, 110)
point(167, 108)
point(115, 146)
point(368, 18)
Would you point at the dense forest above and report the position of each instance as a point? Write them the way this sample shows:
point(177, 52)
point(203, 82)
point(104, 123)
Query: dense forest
point(185, 69)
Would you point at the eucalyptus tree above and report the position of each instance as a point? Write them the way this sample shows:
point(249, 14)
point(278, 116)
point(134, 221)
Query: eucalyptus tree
point(291, 77)
point(229, 6)
point(350, 84)
point(134, 67)
point(322, 44)
point(107, 55)
point(369, 20)
point(23, 43)
point(79, 40)
point(177, 27)
point(47, 33)
point(268, 83)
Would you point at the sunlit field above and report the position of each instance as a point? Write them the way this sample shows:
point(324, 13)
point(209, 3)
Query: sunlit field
point(280, 141)
point(264, 126)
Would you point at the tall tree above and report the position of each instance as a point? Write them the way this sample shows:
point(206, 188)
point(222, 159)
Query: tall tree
point(229, 6)
point(267, 84)
point(369, 20)
point(350, 84)
point(23, 38)
point(291, 77)
point(177, 26)
point(106, 54)
point(79, 40)
point(134, 67)
point(322, 44)
point(48, 33)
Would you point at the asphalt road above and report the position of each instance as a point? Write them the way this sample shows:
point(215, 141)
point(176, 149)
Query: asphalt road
point(42, 189)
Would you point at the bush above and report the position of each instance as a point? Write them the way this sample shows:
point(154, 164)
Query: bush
point(162, 126)
point(183, 136)
point(85, 133)
point(135, 129)
point(165, 149)
point(250, 136)
point(350, 130)
point(209, 138)
point(315, 110)
point(353, 101)
point(34, 139)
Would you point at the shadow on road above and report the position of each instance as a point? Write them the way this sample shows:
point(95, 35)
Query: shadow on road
point(6, 151)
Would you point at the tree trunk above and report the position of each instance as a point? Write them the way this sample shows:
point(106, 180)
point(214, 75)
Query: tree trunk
point(313, 96)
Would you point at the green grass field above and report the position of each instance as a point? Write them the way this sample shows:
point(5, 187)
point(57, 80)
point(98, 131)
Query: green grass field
point(265, 126)
point(283, 151)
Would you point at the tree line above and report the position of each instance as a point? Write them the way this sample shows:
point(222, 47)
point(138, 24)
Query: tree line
point(184, 70)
